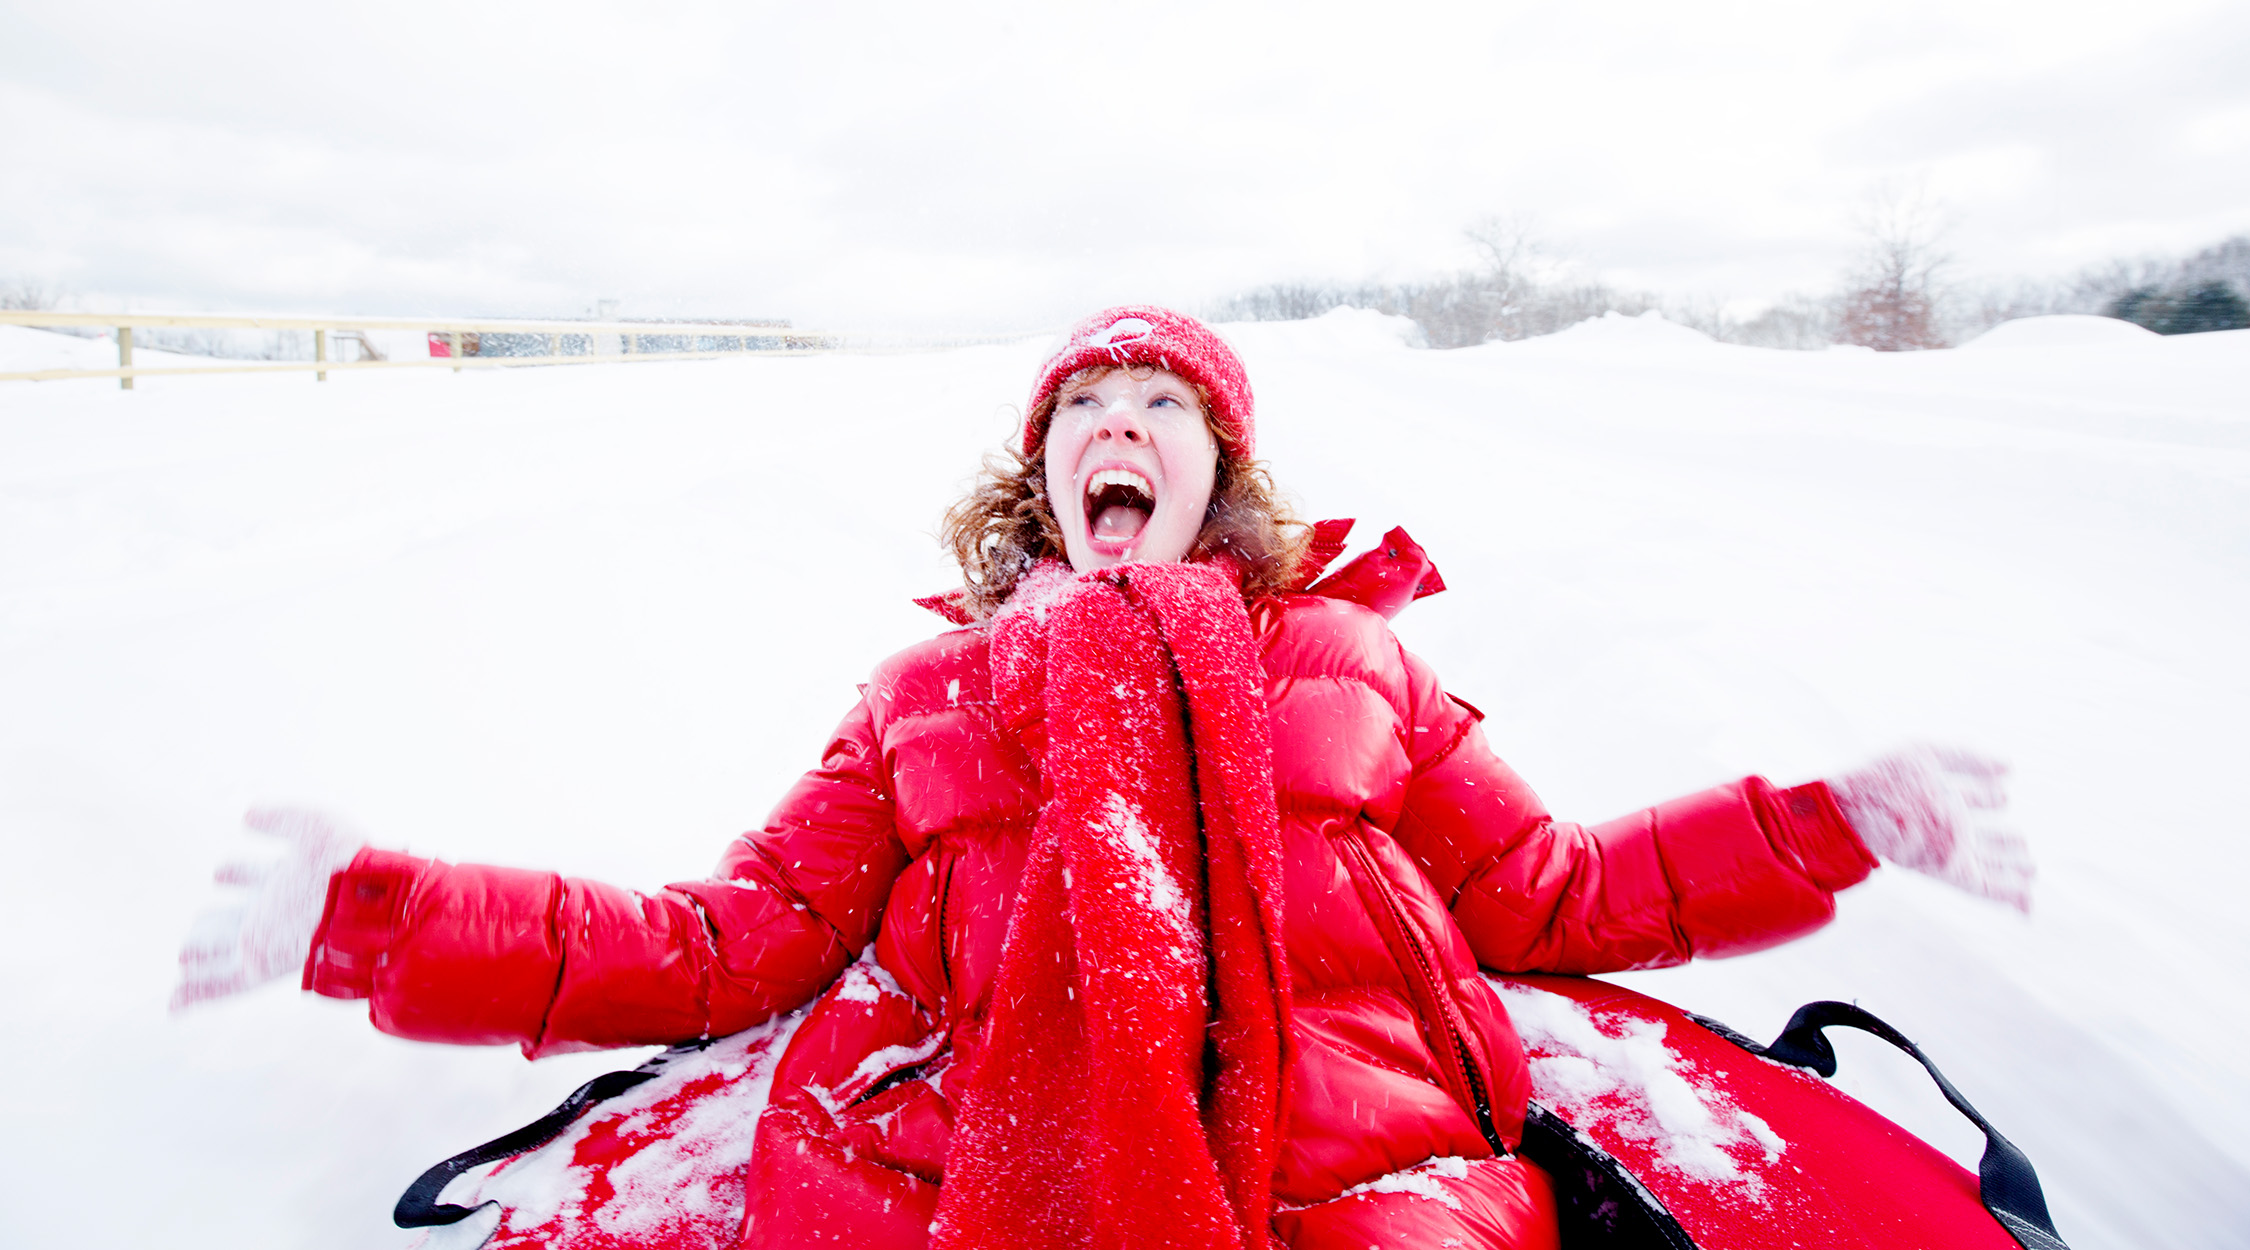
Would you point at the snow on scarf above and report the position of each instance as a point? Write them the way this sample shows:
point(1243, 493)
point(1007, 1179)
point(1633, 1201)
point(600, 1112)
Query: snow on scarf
point(1112, 1104)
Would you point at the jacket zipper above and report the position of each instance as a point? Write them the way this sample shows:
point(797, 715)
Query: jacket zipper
point(1435, 1000)
point(954, 1010)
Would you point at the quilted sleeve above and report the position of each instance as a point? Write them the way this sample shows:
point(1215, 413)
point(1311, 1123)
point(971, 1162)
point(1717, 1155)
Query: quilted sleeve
point(474, 954)
point(1734, 869)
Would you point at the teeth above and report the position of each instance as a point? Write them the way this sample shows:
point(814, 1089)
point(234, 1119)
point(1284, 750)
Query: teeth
point(1120, 477)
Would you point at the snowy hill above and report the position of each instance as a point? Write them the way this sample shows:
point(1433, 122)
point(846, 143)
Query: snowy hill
point(595, 619)
point(23, 349)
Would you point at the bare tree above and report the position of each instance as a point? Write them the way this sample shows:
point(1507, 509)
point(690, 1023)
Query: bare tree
point(1511, 243)
point(27, 294)
point(1516, 261)
point(1891, 298)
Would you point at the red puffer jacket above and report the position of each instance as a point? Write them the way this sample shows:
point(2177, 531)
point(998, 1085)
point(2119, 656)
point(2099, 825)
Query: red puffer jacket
point(1412, 856)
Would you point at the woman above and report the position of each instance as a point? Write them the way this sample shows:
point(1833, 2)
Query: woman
point(1169, 878)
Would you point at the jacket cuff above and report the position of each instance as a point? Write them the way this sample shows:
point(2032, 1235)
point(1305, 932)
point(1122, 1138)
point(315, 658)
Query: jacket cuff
point(1806, 821)
point(365, 901)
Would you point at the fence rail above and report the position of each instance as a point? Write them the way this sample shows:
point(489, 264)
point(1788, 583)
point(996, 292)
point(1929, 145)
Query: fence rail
point(567, 342)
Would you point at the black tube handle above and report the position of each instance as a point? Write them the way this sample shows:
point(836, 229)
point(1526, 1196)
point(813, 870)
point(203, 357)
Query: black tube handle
point(2007, 1184)
point(418, 1207)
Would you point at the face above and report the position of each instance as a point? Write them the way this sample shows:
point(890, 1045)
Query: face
point(1130, 466)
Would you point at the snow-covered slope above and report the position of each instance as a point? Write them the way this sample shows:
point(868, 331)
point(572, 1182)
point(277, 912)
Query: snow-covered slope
point(595, 619)
point(23, 349)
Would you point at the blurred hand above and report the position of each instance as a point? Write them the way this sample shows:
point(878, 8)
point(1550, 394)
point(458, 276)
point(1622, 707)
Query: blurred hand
point(1941, 812)
point(246, 943)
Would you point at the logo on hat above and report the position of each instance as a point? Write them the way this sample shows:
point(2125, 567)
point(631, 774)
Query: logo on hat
point(1120, 333)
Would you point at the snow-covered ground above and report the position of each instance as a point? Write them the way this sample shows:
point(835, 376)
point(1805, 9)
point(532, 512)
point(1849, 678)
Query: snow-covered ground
point(595, 619)
point(23, 350)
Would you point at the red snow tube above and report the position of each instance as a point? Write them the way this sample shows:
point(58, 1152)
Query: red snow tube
point(1661, 1129)
point(1665, 1130)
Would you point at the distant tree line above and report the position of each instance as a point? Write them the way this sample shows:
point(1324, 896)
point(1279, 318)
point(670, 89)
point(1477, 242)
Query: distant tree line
point(1895, 296)
point(1521, 290)
point(2211, 306)
point(2208, 290)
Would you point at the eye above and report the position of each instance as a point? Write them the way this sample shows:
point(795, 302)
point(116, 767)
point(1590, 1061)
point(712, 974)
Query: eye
point(1160, 400)
point(1082, 397)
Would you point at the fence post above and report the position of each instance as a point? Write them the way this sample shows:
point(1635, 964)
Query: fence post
point(125, 356)
point(320, 354)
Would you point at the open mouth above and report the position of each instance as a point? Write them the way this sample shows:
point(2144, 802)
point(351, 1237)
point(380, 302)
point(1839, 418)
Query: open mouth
point(1119, 503)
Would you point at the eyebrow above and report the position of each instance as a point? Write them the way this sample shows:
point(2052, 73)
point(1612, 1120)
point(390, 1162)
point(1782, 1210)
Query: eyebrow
point(1178, 388)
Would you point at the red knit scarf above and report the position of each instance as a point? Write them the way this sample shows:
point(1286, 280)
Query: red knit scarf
point(1114, 1103)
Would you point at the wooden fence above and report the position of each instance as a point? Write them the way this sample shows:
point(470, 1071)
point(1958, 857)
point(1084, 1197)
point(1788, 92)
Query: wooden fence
point(566, 342)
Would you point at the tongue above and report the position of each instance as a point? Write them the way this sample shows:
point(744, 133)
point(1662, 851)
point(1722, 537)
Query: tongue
point(1118, 521)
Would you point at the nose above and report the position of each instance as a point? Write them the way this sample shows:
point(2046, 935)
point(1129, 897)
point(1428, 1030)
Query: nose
point(1121, 423)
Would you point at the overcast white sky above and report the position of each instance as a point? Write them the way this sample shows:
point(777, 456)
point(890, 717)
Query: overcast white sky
point(1003, 165)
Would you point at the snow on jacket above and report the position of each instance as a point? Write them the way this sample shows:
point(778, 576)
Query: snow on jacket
point(1413, 855)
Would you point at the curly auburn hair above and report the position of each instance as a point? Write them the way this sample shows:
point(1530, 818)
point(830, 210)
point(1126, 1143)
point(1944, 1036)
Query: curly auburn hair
point(1005, 523)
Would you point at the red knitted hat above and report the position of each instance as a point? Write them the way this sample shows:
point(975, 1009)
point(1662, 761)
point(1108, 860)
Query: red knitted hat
point(1143, 334)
